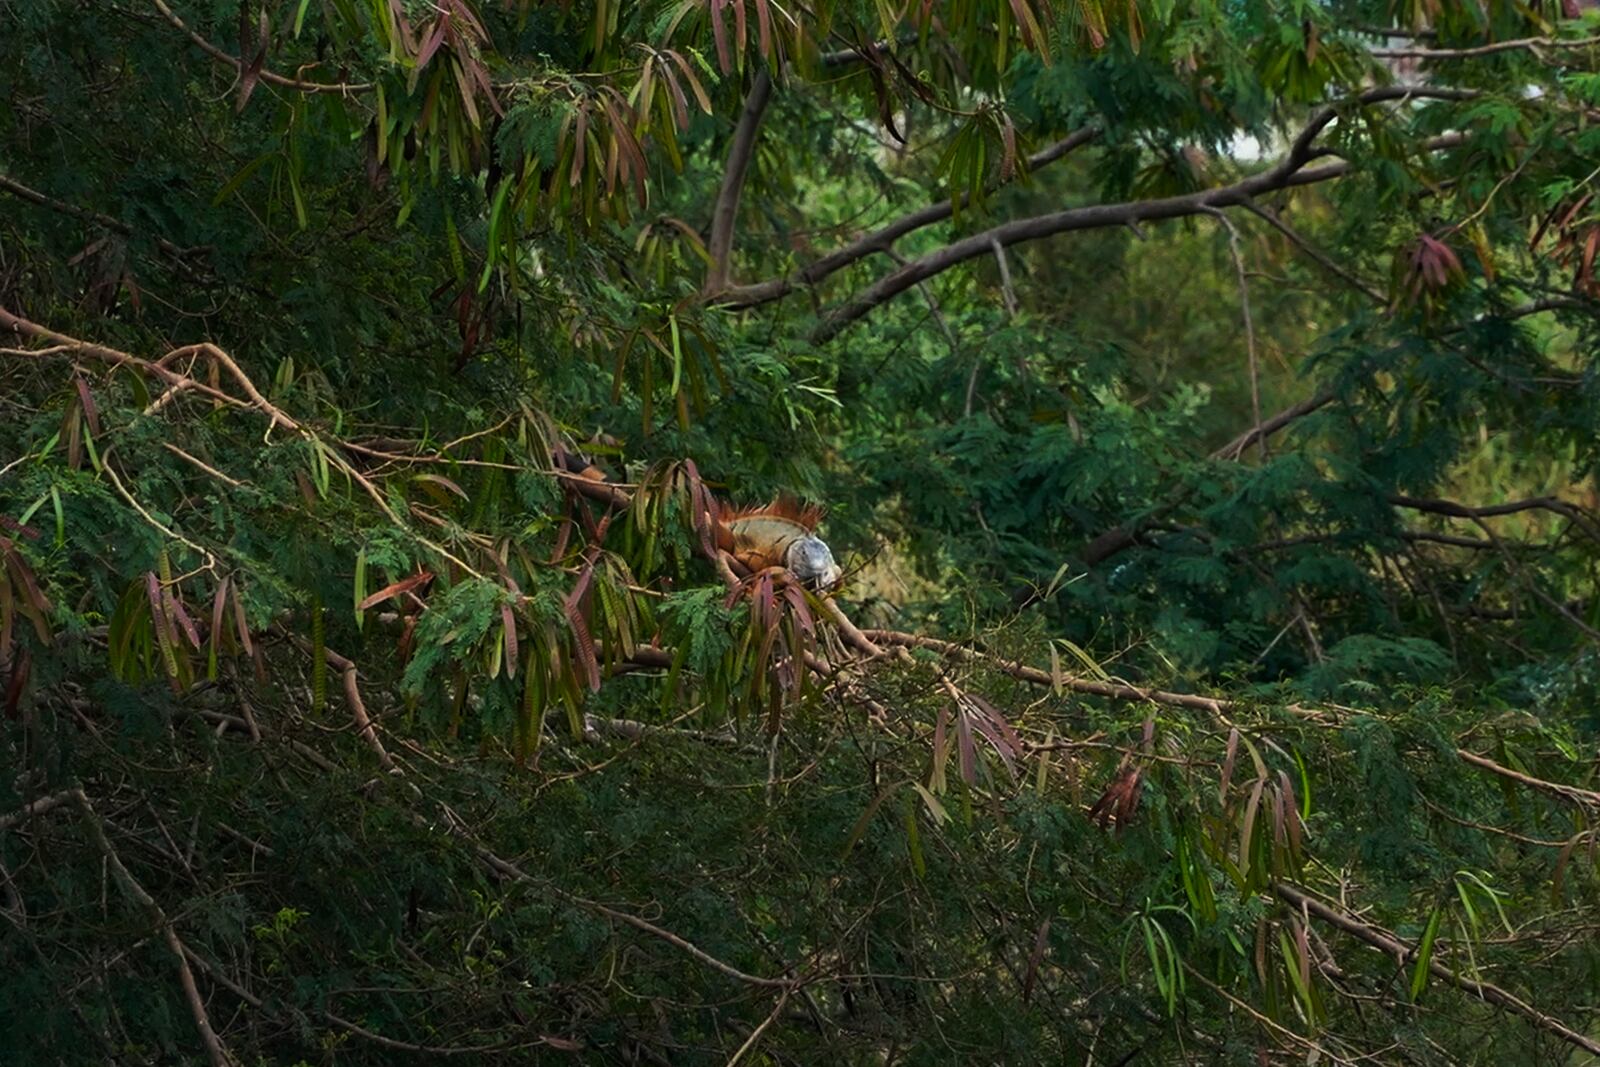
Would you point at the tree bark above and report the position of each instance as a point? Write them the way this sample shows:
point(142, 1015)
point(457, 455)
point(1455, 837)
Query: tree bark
point(726, 213)
point(881, 240)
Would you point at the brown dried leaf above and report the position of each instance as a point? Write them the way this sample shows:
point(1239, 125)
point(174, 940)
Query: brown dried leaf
point(395, 589)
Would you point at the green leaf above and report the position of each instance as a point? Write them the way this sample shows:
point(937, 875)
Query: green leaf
point(1419, 973)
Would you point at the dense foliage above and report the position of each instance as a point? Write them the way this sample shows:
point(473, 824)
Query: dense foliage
point(1204, 400)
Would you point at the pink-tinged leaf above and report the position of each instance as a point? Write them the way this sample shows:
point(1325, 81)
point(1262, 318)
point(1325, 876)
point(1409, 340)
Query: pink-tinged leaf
point(999, 743)
point(219, 604)
point(176, 612)
point(509, 621)
point(585, 647)
point(34, 604)
point(443, 482)
point(395, 589)
point(480, 74)
point(21, 667)
point(464, 86)
point(580, 147)
point(1041, 941)
point(719, 31)
point(7, 618)
point(250, 73)
point(700, 95)
point(90, 411)
point(16, 527)
point(242, 626)
point(675, 97)
point(1025, 24)
point(468, 18)
point(764, 28)
point(563, 536)
point(1296, 830)
point(998, 720)
point(1227, 764)
point(402, 24)
point(158, 611)
point(433, 41)
point(965, 749)
point(580, 629)
point(740, 33)
point(1248, 826)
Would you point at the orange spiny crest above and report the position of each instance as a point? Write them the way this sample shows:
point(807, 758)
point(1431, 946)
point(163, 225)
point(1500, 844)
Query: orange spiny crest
point(785, 508)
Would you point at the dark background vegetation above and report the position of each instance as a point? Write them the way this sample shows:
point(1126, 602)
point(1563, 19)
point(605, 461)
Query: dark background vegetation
point(1233, 423)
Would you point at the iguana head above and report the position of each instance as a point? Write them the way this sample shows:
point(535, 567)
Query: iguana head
point(810, 560)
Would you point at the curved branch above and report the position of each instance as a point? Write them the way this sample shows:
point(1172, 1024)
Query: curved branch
point(726, 213)
point(1289, 171)
point(240, 66)
point(1531, 44)
point(882, 239)
point(216, 1051)
point(1393, 946)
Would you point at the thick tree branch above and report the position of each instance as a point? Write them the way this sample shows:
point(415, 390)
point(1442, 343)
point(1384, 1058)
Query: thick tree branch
point(1291, 170)
point(33, 196)
point(1392, 946)
point(215, 1050)
point(1451, 508)
point(270, 77)
point(882, 239)
point(725, 215)
point(1317, 255)
point(1530, 44)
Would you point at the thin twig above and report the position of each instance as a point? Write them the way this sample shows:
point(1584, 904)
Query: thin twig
point(215, 1049)
point(1249, 324)
point(238, 64)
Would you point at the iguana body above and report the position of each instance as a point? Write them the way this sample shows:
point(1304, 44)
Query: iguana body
point(779, 534)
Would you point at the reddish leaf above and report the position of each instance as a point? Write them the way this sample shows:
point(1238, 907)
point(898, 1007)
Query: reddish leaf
point(720, 32)
point(16, 527)
point(90, 412)
point(405, 585)
point(443, 482)
point(965, 749)
point(219, 604)
point(176, 612)
point(1227, 763)
point(18, 680)
point(33, 604)
point(580, 629)
point(250, 73)
point(433, 40)
point(242, 626)
point(563, 535)
point(509, 621)
point(1041, 941)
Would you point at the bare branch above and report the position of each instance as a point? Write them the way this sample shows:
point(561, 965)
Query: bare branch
point(1289, 171)
point(1321, 258)
point(33, 196)
point(215, 1050)
point(748, 296)
point(1249, 323)
point(725, 215)
point(266, 75)
point(1393, 946)
point(1529, 44)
